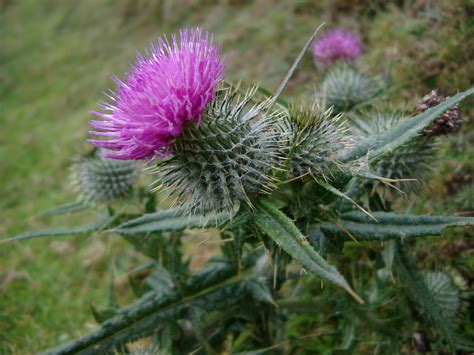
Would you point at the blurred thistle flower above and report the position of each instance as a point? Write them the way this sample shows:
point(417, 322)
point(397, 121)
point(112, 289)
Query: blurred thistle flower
point(450, 122)
point(98, 179)
point(334, 45)
point(167, 88)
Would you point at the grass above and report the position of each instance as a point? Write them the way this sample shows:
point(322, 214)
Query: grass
point(57, 58)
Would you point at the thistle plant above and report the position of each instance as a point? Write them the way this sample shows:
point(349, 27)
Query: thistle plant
point(272, 177)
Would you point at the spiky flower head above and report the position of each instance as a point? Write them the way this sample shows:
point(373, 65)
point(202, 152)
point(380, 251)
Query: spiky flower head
point(99, 179)
point(315, 138)
point(450, 122)
point(167, 88)
point(336, 44)
point(226, 159)
point(344, 87)
point(415, 160)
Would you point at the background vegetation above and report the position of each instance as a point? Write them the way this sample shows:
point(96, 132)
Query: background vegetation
point(57, 57)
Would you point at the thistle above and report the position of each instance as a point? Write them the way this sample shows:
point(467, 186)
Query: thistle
point(315, 138)
point(450, 122)
point(228, 158)
point(334, 45)
point(345, 87)
point(99, 179)
point(166, 89)
point(415, 160)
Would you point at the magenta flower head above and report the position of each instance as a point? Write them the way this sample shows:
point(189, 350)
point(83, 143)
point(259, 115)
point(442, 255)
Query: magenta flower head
point(167, 88)
point(334, 45)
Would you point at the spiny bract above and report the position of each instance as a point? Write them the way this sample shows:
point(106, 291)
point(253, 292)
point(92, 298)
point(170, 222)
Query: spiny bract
point(344, 87)
point(227, 158)
point(415, 160)
point(315, 138)
point(99, 179)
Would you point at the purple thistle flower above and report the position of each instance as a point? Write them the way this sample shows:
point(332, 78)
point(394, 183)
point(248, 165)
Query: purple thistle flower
point(167, 88)
point(336, 44)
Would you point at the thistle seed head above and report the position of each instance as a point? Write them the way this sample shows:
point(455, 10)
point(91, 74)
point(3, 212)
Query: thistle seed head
point(450, 122)
point(415, 160)
point(344, 87)
point(315, 137)
point(99, 179)
point(228, 158)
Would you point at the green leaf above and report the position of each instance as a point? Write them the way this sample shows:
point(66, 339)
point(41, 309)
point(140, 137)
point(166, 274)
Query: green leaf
point(170, 220)
point(61, 232)
point(260, 290)
point(407, 130)
point(407, 271)
point(66, 208)
point(276, 225)
point(220, 290)
point(391, 225)
point(101, 315)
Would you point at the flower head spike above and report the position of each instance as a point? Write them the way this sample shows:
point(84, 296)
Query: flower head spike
point(167, 88)
point(336, 44)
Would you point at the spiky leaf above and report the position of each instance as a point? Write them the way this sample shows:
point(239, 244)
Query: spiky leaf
point(385, 143)
point(61, 232)
point(276, 225)
point(389, 225)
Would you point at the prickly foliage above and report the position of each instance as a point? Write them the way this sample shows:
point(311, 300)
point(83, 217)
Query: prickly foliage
point(228, 158)
point(99, 179)
point(315, 138)
point(344, 87)
point(445, 293)
point(415, 160)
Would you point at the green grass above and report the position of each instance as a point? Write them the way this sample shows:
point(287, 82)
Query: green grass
point(57, 57)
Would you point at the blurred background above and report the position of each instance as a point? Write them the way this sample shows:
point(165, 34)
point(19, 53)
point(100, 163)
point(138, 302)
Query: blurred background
point(57, 57)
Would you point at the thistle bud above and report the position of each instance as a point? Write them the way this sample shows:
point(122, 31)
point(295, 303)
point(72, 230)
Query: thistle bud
point(345, 87)
point(228, 158)
point(450, 122)
point(415, 160)
point(315, 138)
point(99, 179)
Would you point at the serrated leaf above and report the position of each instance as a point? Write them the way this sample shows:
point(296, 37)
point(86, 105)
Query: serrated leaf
point(407, 271)
point(260, 290)
point(221, 290)
point(170, 220)
point(391, 226)
point(407, 130)
point(61, 232)
point(276, 225)
point(101, 315)
point(66, 208)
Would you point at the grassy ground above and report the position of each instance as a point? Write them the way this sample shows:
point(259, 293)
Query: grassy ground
point(57, 57)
